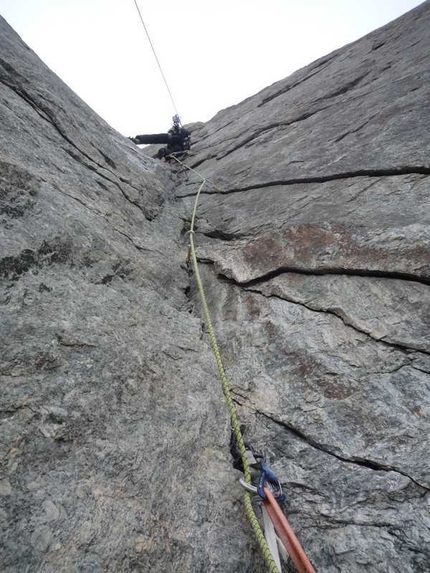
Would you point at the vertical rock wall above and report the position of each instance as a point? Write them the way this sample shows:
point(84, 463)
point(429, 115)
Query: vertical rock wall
point(316, 249)
point(315, 252)
point(113, 444)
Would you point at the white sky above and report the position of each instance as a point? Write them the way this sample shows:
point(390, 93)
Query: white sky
point(214, 54)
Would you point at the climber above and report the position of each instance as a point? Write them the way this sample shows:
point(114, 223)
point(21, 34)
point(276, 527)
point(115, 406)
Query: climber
point(178, 139)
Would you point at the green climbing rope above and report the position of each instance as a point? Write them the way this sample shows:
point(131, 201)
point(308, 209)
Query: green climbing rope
point(227, 393)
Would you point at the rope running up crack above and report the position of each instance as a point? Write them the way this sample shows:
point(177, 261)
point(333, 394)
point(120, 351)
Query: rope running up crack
point(273, 568)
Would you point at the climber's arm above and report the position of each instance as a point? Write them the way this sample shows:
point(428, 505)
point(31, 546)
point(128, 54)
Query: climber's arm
point(158, 138)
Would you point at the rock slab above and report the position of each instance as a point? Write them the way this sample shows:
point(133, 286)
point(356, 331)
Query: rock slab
point(314, 242)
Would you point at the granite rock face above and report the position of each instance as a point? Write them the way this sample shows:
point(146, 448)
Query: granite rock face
point(314, 239)
point(114, 443)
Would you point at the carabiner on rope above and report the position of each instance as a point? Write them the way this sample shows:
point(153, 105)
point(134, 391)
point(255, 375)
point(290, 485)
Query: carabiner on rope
point(267, 475)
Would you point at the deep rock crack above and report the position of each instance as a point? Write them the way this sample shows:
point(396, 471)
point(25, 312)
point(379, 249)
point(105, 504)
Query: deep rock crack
point(391, 172)
point(363, 462)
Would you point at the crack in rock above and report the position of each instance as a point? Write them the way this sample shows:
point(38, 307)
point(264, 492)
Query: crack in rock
point(315, 70)
point(343, 317)
point(390, 172)
point(44, 113)
point(327, 271)
point(363, 462)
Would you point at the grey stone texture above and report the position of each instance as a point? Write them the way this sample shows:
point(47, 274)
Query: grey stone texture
point(314, 243)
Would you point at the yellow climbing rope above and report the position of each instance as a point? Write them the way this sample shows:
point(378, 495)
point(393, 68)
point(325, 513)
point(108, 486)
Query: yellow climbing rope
point(224, 382)
point(227, 391)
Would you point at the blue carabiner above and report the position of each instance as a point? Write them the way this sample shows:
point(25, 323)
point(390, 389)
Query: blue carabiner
point(267, 475)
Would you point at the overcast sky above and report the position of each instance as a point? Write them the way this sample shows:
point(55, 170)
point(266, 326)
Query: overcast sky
point(214, 54)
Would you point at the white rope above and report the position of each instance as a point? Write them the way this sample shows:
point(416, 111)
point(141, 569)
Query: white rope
point(156, 58)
